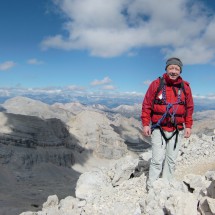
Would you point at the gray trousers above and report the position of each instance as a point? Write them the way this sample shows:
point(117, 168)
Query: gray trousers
point(163, 156)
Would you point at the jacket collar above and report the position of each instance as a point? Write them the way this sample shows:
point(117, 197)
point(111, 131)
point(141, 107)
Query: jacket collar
point(172, 82)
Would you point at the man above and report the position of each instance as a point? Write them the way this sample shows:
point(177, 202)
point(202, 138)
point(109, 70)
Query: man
point(167, 108)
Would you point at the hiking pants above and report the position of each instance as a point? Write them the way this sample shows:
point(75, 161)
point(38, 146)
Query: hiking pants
point(164, 156)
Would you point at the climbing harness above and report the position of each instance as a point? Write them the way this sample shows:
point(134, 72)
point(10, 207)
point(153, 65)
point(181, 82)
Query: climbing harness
point(170, 111)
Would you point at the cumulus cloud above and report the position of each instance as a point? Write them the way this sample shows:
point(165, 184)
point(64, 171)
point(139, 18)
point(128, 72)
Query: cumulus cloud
point(7, 65)
point(184, 28)
point(34, 61)
point(106, 80)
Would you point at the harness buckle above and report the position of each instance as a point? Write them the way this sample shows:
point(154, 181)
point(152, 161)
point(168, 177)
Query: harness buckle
point(172, 119)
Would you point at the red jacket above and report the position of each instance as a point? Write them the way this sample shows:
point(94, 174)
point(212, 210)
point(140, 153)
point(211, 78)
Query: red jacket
point(152, 112)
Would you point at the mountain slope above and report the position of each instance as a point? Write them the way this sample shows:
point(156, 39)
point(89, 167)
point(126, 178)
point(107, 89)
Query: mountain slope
point(27, 106)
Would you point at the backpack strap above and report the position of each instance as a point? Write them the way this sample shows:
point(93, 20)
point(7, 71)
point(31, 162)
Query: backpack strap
point(183, 89)
point(161, 85)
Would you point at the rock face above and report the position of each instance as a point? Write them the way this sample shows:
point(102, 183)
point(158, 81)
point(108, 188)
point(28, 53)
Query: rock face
point(32, 131)
point(130, 130)
point(35, 155)
point(94, 132)
point(107, 135)
point(24, 141)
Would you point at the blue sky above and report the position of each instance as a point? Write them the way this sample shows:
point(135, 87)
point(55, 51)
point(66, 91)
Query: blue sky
point(98, 46)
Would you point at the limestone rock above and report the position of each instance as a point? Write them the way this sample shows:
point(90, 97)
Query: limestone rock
point(94, 132)
point(207, 206)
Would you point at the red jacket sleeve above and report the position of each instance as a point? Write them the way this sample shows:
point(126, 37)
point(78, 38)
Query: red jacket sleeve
point(189, 106)
point(148, 102)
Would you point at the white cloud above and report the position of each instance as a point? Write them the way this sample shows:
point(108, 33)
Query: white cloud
point(34, 61)
point(4, 92)
point(75, 88)
point(184, 28)
point(7, 65)
point(207, 97)
point(106, 80)
point(147, 82)
point(109, 87)
point(107, 92)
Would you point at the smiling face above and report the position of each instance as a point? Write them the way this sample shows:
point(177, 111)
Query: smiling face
point(173, 71)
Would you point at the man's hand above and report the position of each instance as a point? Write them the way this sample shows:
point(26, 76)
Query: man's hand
point(187, 132)
point(146, 131)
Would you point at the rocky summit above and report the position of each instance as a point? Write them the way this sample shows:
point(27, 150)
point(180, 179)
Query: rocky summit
point(121, 188)
point(73, 159)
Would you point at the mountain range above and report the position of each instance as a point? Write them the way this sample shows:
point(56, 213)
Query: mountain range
point(43, 145)
point(109, 100)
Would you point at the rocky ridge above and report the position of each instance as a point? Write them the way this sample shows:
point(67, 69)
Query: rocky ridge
point(30, 107)
point(100, 132)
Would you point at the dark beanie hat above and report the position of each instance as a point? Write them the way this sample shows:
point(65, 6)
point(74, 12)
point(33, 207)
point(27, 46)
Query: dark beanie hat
point(174, 61)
